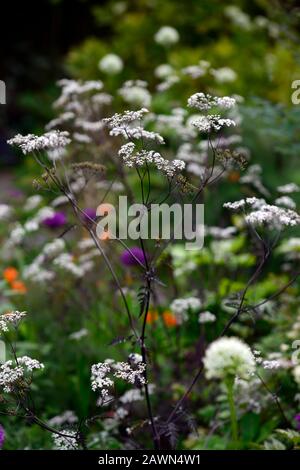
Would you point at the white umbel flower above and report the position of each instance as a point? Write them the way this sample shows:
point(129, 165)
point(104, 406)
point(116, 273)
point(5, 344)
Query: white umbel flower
point(228, 357)
point(111, 64)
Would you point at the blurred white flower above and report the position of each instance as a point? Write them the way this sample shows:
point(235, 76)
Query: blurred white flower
point(111, 64)
point(166, 36)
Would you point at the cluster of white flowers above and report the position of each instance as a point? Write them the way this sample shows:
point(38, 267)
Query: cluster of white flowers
point(65, 262)
point(11, 373)
point(212, 122)
point(249, 201)
point(137, 133)
point(126, 118)
point(285, 201)
point(175, 122)
point(67, 417)
point(198, 70)
point(72, 88)
point(78, 335)
point(66, 442)
point(5, 211)
point(163, 71)
point(288, 188)
point(54, 248)
point(139, 158)
point(221, 233)
point(100, 380)
point(135, 92)
point(273, 216)
point(181, 308)
point(32, 202)
point(10, 318)
point(204, 102)
point(206, 317)
point(49, 141)
point(111, 64)
point(228, 358)
point(166, 36)
point(224, 74)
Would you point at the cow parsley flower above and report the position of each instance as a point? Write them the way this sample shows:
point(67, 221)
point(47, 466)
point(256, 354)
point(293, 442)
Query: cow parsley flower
point(100, 379)
point(5, 212)
point(206, 317)
point(181, 308)
point(227, 358)
point(11, 318)
point(166, 36)
point(50, 141)
point(111, 64)
point(224, 74)
point(66, 442)
point(135, 92)
point(273, 216)
point(204, 102)
point(11, 373)
point(285, 201)
point(288, 188)
point(212, 122)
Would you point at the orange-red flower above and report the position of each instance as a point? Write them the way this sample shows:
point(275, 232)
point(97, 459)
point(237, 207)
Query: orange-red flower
point(152, 316)
point(10, 274)
point(19, 286)
point(169, 319)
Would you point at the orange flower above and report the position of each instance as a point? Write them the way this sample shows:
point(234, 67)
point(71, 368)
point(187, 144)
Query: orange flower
point(169, 319)
point(233, 176)
point(19, 286)
point(10, 274)
point(152, 316)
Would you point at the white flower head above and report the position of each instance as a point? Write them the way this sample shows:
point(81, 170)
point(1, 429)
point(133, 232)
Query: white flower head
point(228, 358)
point(166, 36)
point(111, 64)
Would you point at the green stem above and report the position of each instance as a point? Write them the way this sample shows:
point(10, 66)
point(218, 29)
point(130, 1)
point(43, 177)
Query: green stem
point(233, 416)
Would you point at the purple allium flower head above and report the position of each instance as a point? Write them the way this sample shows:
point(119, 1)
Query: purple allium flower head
point(297, 419)
point(2, 436)
point(89, 213)
point(128, 259)
point(57, 220)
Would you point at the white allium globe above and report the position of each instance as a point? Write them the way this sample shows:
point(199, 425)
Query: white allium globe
point(228, 358)
point(166, 36)
point(111, 64)
point(163, 71)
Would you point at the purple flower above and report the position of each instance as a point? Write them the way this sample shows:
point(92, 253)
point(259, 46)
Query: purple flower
point(129, 258)
point(297, 418)
point(88, 214)
point(2, 436)
point(57, 220)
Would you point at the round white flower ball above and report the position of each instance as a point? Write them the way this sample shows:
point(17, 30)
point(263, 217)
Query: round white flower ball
point(111, 64)
point(166, 36)
point(228, 358)
point(163, 71)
